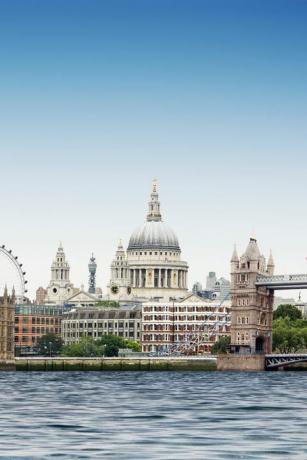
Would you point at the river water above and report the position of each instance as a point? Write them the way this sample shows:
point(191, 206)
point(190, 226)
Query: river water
point(147, 415)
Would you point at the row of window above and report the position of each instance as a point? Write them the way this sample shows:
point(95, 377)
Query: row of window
point(173, 338)
point(101, 315)
point(243, 302)
point(242, 337)
point(242, 319)
point(76, 334)
point(34, 320)
point(37, 330)
point(140, 253)
point(194, 309)
point(185, 318)
point(182, 327)
point(110, 325)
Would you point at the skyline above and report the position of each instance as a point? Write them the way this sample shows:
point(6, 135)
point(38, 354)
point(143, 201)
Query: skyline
point(99, 97)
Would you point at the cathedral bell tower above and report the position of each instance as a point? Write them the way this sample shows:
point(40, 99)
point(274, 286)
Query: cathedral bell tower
point(60, 287)
point(252, 305)
point(119, 287)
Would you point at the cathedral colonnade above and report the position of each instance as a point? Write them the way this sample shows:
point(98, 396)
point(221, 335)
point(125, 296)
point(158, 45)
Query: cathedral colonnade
point(160, 277)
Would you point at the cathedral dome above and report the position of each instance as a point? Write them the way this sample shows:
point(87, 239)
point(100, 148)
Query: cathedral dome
point(154, 235)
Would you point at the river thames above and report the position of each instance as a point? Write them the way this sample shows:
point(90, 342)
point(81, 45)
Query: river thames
point(147, 415)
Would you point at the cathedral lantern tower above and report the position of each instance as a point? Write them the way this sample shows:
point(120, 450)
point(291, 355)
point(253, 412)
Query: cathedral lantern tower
point(252, 305)
point(92, 267)
point(154, 204)
point(60, 287)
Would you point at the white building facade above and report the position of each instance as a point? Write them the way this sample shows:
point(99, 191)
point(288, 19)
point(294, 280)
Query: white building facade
point(98, 322)
point(191, 326)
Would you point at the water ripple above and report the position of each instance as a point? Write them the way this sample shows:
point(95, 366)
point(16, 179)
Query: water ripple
point(167, 415)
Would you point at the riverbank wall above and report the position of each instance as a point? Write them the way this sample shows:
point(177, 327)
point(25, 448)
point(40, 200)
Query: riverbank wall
point(115, 364)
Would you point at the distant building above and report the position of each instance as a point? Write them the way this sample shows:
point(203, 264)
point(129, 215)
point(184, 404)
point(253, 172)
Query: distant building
point(197, 287)
point(192, 325)
point(282, 301)
point(211, 280)
point(216, 288)
point(97, 322)
point(7, 308)
point(41, 294)
point(34, 321)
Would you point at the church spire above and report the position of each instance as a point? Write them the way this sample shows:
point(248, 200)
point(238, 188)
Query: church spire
point(154, 204)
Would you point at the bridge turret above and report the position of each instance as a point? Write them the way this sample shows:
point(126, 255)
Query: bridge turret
point(271, 265)
point(234, 259)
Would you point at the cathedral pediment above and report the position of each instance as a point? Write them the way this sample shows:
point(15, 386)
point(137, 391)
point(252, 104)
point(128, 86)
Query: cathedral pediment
point(82, 296)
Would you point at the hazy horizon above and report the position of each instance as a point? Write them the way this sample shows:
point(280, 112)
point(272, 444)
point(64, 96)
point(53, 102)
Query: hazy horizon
point(99, 97)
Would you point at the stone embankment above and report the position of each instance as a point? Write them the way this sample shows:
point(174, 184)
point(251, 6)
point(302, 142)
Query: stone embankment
point(115, 364)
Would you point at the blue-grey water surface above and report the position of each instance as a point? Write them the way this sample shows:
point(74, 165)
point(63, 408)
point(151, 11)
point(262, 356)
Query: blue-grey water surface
point(162, 415)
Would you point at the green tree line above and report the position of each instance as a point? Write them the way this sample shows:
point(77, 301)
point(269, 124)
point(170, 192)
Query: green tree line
point(107, 345)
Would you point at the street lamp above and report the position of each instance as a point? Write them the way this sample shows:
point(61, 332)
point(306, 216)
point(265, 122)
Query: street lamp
point(50, 347)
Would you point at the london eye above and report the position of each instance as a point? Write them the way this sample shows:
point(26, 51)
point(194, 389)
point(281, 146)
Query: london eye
point(12, 274)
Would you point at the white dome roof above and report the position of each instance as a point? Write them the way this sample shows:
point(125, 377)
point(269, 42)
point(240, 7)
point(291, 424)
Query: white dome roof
point(154, 235)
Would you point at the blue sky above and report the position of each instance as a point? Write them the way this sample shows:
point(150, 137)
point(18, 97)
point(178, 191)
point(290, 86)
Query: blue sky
point(97, 97)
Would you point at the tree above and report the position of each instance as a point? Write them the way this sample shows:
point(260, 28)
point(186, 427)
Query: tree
point(287, 310)
point(49, 344)
point(107, 345)
point(111, 350)
point(133, 344)
point(289, 336)
point(113, 343)
point(86, 347)
point(107, 303)
point(221, 345)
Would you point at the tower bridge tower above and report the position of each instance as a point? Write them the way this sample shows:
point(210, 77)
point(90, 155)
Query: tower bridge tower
point(252, 305)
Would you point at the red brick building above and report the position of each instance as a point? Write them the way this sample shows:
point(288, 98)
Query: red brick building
point(34, 321)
